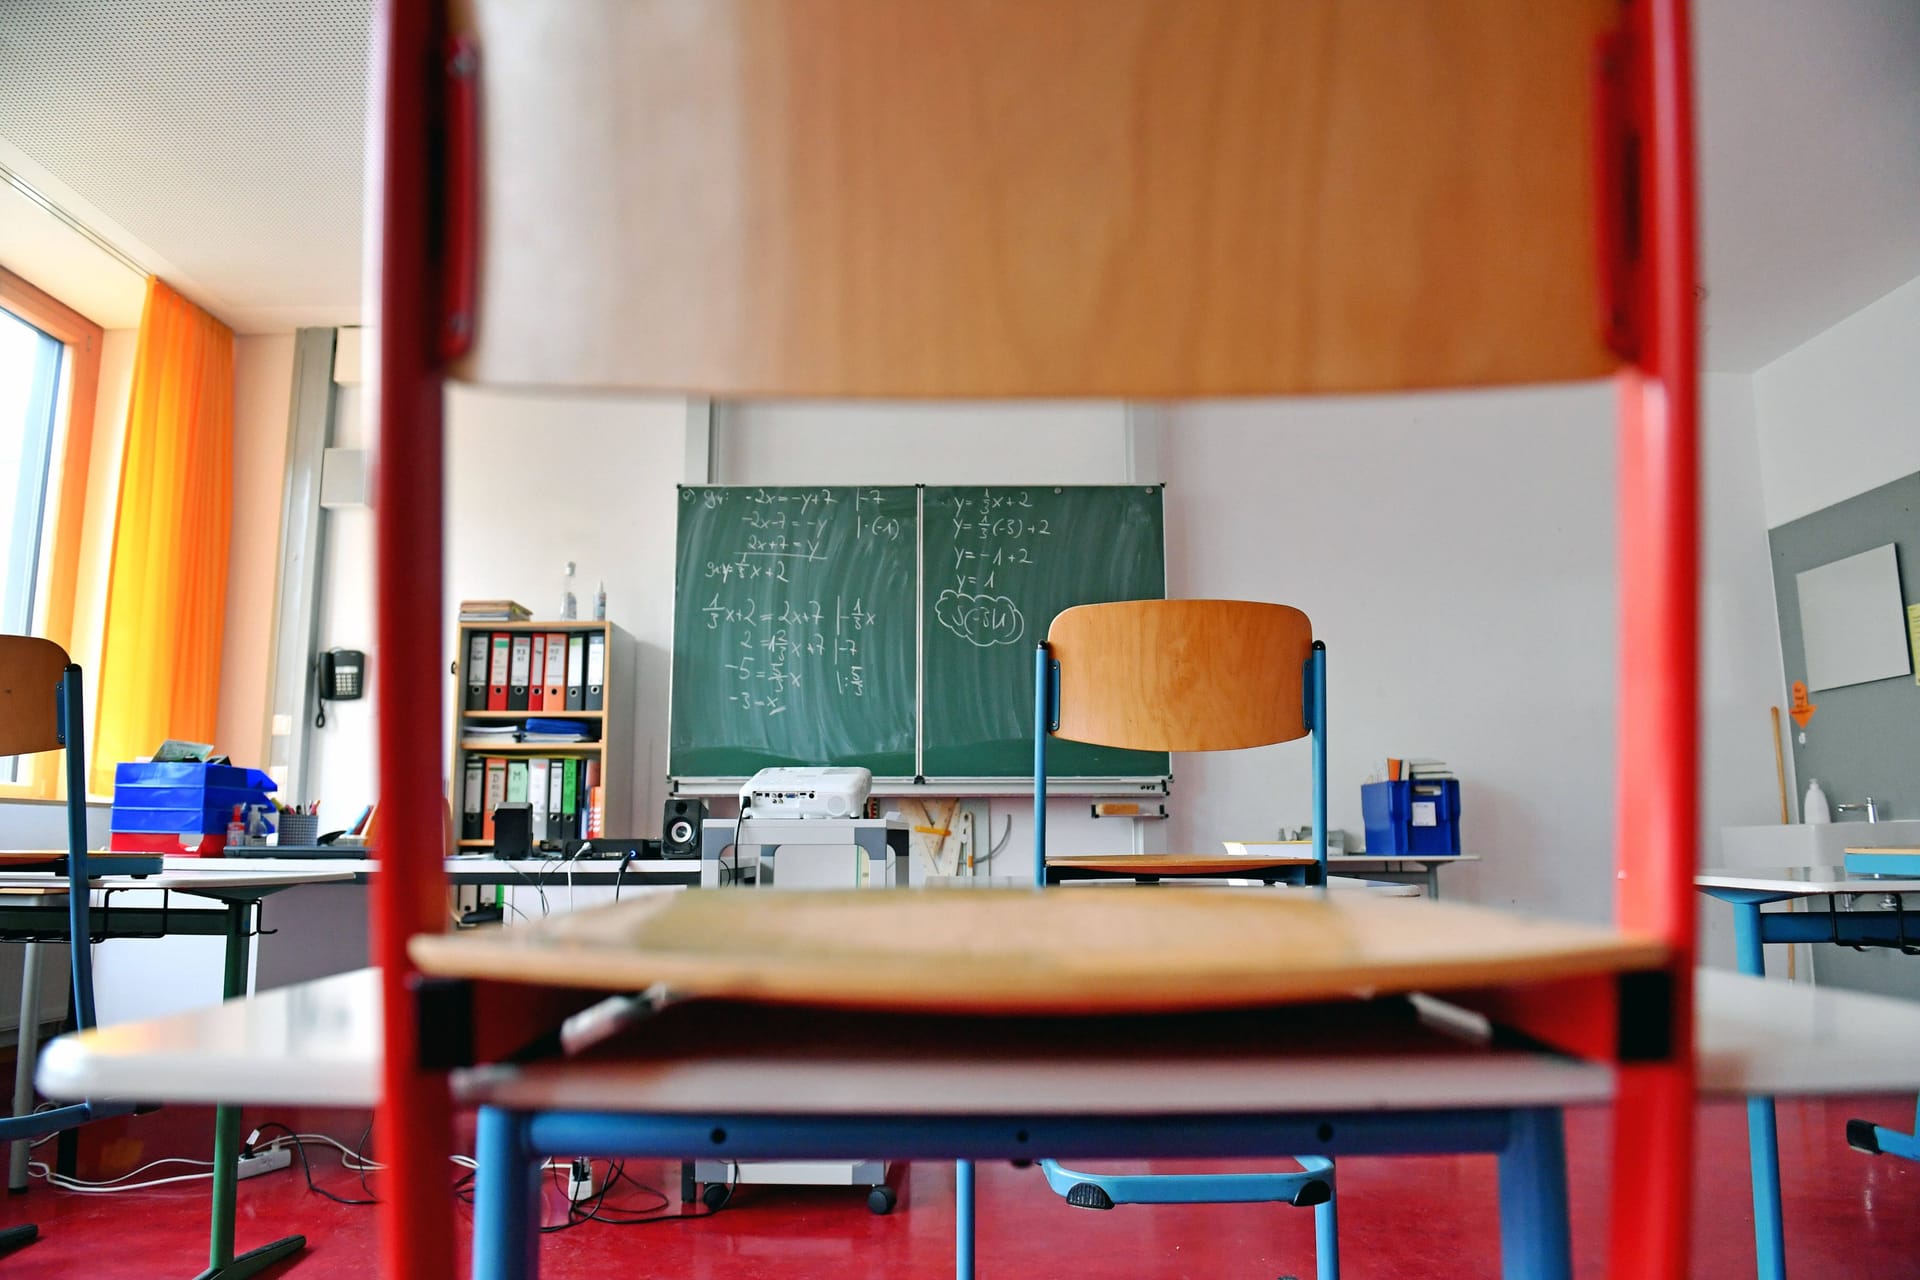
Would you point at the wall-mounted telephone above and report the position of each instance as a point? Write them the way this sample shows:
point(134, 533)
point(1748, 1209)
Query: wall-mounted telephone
point(339, 676)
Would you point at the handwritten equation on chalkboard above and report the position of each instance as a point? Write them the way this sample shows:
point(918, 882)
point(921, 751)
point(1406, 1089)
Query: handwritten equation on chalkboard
point(998, 540)
point(780, 644)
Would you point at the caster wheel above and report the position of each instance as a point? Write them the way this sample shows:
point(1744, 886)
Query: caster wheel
point(881, 1200)
point(715, 1196)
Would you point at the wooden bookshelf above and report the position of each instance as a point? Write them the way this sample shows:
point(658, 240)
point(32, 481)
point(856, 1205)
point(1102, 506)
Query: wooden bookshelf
point(612, 749)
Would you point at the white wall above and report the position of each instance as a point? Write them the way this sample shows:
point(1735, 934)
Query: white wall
point(262, 400)
point(1456, 553)
point(340, 761)
point(536, 481)
point(1837, 415)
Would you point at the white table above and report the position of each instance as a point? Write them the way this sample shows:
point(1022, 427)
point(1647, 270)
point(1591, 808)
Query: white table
point(1426, 866)
point(483, 869)
point(239, 890)
point(318, 1043)
point(1747, 890)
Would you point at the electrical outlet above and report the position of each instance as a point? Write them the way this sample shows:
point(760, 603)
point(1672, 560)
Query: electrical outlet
point(271, 1160)
point(580, 1180)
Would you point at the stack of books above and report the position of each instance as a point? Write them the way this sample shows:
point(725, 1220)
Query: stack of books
point(1416, 769)
point(540, 729)
point(494, 611)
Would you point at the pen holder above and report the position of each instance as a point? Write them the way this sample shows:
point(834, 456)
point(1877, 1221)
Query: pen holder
point(299, 828)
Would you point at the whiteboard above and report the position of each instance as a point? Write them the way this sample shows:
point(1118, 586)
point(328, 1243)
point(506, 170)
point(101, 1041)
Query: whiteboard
point(1853, 621)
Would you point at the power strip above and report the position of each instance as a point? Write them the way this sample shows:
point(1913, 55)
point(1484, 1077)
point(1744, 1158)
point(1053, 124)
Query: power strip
point(272, 1160)
point(580, 1180)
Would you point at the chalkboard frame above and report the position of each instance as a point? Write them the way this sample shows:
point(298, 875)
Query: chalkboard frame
point(1153, 782)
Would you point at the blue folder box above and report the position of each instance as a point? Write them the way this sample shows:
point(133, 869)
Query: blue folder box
point(1420, 818)
point(184, 797)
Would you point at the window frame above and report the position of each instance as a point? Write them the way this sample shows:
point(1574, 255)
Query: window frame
point(68, 500)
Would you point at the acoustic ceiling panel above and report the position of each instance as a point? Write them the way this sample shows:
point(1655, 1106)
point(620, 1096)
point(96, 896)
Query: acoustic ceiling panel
point(228, 136)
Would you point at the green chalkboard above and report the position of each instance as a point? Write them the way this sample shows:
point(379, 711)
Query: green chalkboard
point(893, 627)
point(998, 564)
point(794, 630)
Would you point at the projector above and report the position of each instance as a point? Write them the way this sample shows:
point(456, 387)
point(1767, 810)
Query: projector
point(830, 792)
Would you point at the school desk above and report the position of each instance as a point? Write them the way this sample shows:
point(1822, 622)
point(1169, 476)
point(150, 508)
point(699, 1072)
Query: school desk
point(33, 906)
point(472, 870)
point(318, 1043)
point(1749, 890)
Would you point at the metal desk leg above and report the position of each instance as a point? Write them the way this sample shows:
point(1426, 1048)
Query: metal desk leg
point(963, 1220)
point(1862, 1135)
point(1535, 1243)
point(222, 1264)
point(1433, 882)
point(1763, 1140)
point(26, 1054)
point(506, 1198)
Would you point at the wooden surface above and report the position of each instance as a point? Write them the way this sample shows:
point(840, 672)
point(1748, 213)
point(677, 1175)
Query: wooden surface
point(1185, 864)
point(30, 670)
point(1140, 198)
point(319, 1043)
point(1887, 850)
point(1181, 675)
point(1031, 950)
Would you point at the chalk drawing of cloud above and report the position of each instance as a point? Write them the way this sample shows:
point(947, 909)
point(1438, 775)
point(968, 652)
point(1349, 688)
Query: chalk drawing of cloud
point(980, 620)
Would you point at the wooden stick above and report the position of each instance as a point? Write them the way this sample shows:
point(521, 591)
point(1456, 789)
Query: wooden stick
point(1780, 772)
point(1780, 765)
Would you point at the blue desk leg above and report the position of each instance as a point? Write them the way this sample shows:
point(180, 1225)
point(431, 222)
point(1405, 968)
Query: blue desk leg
point(963, 1220)
point(1763, 1139)
point(1876, 1139)
point(506, 1198)
point(1326, 1239)
point(1535, 1243)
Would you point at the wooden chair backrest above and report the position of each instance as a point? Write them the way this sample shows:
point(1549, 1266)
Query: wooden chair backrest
point(1182, 675)
point(1145, 198)
point(30, 671)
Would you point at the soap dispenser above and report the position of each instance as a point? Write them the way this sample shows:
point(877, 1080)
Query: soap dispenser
point(1815, 807)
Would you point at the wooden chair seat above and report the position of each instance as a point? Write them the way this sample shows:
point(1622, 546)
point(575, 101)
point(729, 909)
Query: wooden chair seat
point(1032, 951)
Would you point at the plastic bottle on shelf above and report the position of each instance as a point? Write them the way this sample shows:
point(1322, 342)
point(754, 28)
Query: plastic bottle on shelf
point(1814, 808)
point(600, 603)
point(569, 607)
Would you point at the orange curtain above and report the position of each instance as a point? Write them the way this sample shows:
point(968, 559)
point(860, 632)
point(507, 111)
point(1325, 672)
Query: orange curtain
point(167, 587)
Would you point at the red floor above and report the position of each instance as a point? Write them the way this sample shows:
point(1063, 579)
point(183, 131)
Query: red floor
point(1847, 1215)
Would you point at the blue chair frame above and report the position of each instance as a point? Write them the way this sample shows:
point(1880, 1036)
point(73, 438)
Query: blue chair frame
point(71, 733)
point(1313, 1184)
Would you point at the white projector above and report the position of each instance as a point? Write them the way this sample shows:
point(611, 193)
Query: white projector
point(832, 792)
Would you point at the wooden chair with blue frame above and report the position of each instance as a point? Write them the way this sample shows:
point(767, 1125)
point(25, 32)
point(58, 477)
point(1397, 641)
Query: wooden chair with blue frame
point(40, 711)
point(1188, 675)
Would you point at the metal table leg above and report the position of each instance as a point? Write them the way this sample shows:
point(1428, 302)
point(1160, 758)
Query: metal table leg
point(1763, 1141)
point(222, 1264)
point(27, 1052)
point(963, 1220)
point(1535, 1243)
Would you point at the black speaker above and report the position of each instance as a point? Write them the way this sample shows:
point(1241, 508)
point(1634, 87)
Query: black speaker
point(513, 831)
point(682, 827)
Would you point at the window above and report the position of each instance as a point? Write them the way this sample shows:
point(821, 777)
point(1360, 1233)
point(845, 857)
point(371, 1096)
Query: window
point(29, 395)
point(49, 375)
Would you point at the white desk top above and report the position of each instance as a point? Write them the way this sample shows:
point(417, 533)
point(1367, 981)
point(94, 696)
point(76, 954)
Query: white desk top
point(1806, 882)
point(183, 880)
point(1424, 859)
point(318, 1043)
point(495, 870)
